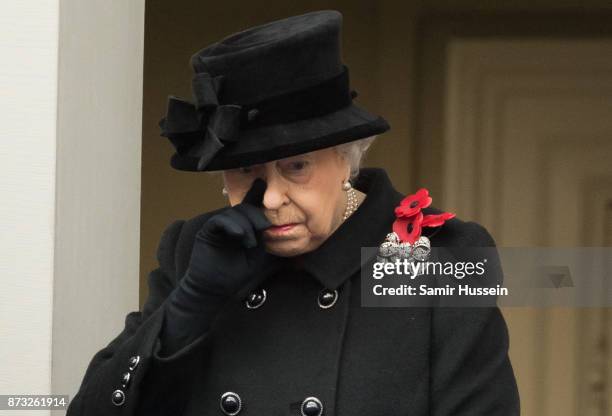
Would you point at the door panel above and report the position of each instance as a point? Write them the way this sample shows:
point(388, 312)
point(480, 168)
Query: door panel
point(527, 152)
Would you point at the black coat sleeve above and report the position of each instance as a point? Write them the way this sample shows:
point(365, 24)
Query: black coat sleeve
point(471, 373)
point(157, 385)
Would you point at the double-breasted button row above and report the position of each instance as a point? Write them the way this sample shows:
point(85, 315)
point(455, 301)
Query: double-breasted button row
point(118, 396)
point(326, 298)
point(231, 404)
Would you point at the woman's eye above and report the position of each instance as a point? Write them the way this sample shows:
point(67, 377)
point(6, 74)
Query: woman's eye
point(300, 165)
point(245, 170)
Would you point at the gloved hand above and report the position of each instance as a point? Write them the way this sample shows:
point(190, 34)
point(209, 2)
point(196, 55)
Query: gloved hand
point(227, 254)
point(227, 249)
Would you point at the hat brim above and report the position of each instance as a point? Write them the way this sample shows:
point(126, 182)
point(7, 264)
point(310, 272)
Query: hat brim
point(278, 141)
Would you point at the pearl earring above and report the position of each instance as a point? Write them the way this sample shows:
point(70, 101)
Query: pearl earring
point(224, 191)
point(346, 185)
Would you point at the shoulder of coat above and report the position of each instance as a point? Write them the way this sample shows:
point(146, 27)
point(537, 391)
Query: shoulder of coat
point(458, 232)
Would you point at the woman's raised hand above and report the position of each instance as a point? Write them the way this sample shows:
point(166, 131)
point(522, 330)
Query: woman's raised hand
point(228, 248)
point(227, 253)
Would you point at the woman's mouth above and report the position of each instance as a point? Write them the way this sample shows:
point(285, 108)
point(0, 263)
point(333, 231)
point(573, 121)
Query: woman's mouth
point(277, 230)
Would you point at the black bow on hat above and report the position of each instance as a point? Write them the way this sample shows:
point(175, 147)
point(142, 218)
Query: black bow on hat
point(202, 128)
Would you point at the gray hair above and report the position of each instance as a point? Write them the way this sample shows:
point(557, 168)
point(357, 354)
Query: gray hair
point(353, 152)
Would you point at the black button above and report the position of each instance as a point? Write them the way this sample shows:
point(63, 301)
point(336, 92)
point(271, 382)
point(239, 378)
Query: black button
point(256, 299)
point(133, 363)
point(327, 298)
point(118, 397)
point(125, 379)
point(252, 114)
point(230, 403)
point(311, 406)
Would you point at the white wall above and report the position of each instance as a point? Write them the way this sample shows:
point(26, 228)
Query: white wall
point(28, 85)
point(70, 159)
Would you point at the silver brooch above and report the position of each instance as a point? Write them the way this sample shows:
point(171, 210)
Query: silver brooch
point(392, 249)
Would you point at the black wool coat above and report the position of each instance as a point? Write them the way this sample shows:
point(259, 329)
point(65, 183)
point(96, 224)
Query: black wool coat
point(356, 361)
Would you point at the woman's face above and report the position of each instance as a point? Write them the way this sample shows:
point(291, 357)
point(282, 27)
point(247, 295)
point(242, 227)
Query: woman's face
point(303, 190)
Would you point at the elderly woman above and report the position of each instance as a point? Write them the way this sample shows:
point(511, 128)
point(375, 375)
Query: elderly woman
point(255, 308)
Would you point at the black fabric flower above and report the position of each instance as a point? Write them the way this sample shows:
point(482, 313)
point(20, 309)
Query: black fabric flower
point(203, 127)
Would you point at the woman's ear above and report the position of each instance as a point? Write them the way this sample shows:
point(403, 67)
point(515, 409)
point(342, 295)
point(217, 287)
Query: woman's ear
point(343, 161)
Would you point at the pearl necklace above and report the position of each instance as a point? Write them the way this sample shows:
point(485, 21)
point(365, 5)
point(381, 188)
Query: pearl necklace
point(351, 204)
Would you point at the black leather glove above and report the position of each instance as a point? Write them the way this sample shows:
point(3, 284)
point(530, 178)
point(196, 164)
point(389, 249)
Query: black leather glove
point(227, 254)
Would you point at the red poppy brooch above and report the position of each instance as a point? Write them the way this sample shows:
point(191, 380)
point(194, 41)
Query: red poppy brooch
point(406, 241)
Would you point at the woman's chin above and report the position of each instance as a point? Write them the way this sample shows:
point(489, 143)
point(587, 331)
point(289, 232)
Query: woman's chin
point(285, 248)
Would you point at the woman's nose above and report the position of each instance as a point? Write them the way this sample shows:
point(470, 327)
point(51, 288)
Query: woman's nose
point(276, 192)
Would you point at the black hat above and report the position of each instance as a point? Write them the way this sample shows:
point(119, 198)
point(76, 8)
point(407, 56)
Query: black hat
point(265, 93)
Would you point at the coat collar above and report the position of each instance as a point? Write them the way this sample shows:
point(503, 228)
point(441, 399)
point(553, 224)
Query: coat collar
point(339, 256)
